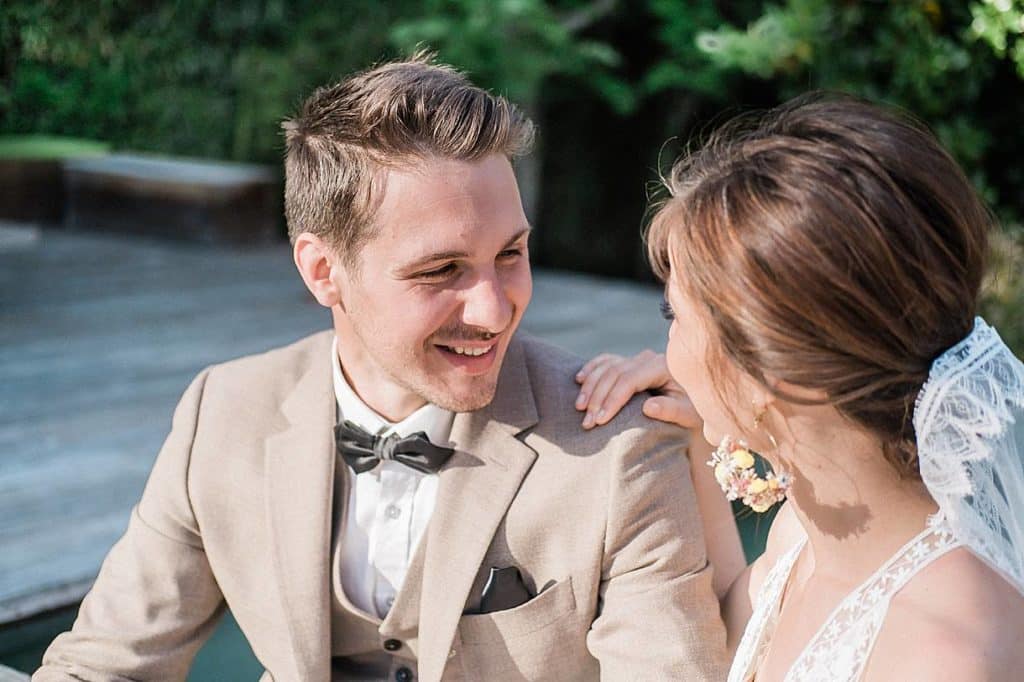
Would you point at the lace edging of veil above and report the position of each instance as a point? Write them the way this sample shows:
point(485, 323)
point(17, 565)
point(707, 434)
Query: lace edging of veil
point(969, 421)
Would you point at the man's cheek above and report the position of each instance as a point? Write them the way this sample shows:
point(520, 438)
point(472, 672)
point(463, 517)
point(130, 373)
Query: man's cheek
point(526, 284)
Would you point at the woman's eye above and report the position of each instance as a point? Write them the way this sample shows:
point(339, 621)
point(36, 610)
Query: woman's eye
point(666, 311)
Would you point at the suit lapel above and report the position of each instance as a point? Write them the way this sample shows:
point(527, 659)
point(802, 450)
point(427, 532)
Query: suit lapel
point(476, 487)
point(404, 615)
point(299, 465)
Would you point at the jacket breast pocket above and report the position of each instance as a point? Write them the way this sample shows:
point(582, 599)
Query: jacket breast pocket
point(543, 640)
point(551, 605)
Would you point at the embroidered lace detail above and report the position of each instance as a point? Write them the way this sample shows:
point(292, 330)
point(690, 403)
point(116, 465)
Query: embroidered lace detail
point(969, 423)
point(757, 636)
point(969, 437)
point(840, 649)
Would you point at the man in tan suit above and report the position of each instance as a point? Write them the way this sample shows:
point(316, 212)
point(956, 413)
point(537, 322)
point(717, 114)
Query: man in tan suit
point(410, 495)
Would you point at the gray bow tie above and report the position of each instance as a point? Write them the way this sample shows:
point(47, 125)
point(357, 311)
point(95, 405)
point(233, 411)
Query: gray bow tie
point(362, 450)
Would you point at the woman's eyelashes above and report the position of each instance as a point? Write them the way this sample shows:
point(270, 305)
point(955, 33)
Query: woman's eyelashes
point(666, 311)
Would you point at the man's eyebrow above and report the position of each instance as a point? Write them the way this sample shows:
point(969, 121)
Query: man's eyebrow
point(453, 255)
point(434, 257)
point(523, 232)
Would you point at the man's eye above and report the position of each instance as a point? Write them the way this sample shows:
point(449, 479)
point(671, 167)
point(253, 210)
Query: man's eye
point(438, 272)
point(666, 311)
point(510, 253)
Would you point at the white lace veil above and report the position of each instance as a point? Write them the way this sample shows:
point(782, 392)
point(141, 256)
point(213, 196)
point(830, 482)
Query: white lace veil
point(969, 421)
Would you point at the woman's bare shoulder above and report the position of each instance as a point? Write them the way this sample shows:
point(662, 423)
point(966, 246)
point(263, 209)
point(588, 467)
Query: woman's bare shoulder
point(739, 602)
point(957, 619)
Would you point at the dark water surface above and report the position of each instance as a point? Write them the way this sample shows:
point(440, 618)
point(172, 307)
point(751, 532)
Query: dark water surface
point(227, 656)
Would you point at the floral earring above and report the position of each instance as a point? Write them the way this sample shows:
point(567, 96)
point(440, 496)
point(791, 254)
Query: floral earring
point(733, 463)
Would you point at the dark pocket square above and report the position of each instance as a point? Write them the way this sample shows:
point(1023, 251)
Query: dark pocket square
point(504, 590)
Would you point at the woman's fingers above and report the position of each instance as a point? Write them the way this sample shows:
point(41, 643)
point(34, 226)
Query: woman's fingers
point(623, 381)
point(599, 407)
point(590, 376)
point(674, 408)
point(613, 381)
point(593, 363)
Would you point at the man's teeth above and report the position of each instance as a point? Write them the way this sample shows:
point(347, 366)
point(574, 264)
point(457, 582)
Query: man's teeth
point(469, 351)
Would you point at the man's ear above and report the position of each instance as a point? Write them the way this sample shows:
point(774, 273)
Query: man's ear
point(316, 263)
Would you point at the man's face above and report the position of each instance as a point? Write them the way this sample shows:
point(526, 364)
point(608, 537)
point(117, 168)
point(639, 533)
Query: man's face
point(429, 308)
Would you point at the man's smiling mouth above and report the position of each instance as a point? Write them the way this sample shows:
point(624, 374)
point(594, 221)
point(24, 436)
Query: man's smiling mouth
point(465, 350)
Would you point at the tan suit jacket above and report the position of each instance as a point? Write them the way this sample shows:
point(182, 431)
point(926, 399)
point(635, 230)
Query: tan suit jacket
point(602, 524)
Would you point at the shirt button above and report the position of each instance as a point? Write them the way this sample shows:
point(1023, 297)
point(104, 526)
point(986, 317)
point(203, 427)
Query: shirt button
point(389, 602)
point(392, 645)
point(451, 654)
point(392, 511)
point(403, 675)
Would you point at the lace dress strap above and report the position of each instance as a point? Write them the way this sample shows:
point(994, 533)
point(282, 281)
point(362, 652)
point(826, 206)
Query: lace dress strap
point(757, 635)
point(841, 648)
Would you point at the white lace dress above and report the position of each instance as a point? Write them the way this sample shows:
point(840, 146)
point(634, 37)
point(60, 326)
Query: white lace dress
point(840, 649)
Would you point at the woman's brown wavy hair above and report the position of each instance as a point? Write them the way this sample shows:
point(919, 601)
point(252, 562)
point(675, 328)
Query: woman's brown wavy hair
point(832, 244)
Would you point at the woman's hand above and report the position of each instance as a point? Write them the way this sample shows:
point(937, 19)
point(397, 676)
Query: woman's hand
point(607, 382)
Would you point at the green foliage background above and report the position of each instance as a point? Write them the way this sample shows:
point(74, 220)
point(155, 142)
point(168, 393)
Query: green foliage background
point(608, 82)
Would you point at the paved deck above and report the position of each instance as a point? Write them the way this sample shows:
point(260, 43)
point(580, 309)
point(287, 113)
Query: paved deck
point(99, 335)
point(11, 675)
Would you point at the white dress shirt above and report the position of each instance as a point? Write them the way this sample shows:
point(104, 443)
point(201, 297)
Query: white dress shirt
point(388, 507)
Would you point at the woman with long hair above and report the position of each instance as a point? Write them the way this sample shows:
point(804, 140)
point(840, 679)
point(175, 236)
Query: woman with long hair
point(823, 265)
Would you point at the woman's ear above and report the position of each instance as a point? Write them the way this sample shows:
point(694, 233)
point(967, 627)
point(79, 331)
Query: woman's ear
point(317, 263)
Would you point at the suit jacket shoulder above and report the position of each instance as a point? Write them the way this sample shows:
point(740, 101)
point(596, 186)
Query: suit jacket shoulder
point(552, 371)
point(620, 523)
point(272, 374)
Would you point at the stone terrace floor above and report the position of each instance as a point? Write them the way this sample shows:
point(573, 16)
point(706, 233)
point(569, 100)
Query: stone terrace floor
point(99, 336)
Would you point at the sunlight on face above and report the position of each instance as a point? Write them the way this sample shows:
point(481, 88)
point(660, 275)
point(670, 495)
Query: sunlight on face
point(440, 287)
point(688, 363)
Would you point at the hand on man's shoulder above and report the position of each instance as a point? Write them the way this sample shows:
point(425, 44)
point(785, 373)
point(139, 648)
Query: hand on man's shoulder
point(553, 371)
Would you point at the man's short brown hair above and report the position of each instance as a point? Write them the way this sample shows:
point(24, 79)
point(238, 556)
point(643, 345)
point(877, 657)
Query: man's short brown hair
point(391, 115)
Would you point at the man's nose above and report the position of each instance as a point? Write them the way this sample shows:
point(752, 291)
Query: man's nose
point(486, 305)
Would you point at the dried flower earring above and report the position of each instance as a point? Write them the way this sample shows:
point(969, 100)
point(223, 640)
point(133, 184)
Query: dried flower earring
point(733, 463)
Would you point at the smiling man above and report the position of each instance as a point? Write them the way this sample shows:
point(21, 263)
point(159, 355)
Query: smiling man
point(408, 495)
point(426, 308)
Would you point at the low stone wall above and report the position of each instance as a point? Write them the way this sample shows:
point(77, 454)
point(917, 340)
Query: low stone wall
point(203, 201)
point(32, 190)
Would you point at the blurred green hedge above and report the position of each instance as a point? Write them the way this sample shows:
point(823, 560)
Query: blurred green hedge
point(213, 79)
point(608, 83)
point(204, 78)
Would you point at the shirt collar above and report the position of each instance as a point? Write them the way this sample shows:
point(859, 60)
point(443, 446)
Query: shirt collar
point(435, 421)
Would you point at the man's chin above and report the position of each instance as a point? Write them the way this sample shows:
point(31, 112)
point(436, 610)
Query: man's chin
point(467, 399)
